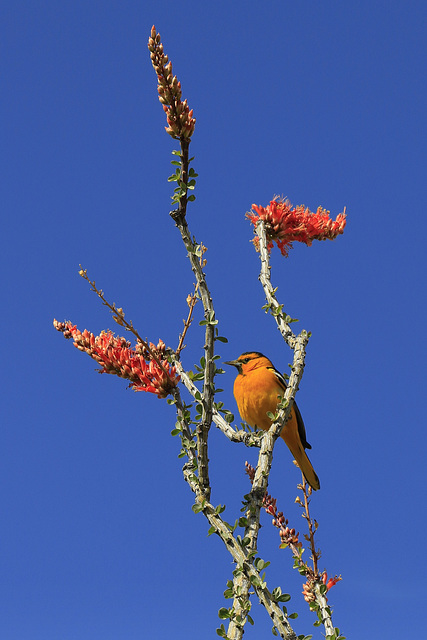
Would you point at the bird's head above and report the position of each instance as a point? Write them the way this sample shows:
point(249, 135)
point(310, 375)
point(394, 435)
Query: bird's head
point(248, 361)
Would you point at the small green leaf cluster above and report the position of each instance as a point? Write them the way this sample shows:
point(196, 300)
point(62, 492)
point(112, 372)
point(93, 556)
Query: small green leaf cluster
point(184, 417)
point(335, 636)
point(222, 632)
point(220, 338)
point(197, 249)
point(179, 430)
point(228, 416)
point(248, 505)
point(197, 507)
point(258, 582)
point(315, 607)
point(236, 591)
point(261, 564)
point(193, 468)
point(278, 596)
point(182, 186)
point(186, 446)
point(283, 403)
point(299, 563)
point(238, 618)
point(229, 592)
point(199, 375)
point(276, 310)
point(209, 319)
point(195, 377)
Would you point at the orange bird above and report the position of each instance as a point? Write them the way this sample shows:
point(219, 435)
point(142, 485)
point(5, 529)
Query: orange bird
point(258, 388)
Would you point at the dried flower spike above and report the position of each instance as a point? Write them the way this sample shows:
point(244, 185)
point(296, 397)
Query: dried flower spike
point(178, 114)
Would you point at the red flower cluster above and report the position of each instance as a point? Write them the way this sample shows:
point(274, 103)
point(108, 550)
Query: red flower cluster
point(116, 356)
point(285, 224)
point(308, 588)
point(331, 582)
point(180, 119)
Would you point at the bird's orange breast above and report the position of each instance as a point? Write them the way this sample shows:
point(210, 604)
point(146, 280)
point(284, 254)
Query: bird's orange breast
point(256, 394)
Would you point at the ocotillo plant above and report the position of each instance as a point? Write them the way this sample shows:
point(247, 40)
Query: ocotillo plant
point(157, 369)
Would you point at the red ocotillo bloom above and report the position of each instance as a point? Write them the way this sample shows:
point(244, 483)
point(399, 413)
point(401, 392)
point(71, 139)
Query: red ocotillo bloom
point(147, 370)
point(285, 224)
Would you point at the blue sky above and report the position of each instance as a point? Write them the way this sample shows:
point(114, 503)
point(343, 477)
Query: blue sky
point(323, 103)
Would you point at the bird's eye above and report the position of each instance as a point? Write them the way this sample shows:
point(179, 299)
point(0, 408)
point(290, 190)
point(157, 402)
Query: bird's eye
point(246, 360)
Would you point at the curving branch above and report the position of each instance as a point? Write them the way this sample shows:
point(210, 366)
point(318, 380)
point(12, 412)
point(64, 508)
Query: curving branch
point(268, 439)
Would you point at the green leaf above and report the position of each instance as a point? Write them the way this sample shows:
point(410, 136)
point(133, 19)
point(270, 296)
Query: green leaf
point(293, 615)
point(223, 613)
point(274, 631)
point(198, 376)
point(191, 198)
point(211, 530)
point(197, 508)
point(285, 597)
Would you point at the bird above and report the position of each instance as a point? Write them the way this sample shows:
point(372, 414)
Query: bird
point(258, 388)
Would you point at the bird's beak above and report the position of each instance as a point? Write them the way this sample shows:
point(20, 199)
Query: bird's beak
point(235, 363)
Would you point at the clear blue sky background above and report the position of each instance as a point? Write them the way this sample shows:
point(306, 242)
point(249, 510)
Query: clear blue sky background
point(322, 102)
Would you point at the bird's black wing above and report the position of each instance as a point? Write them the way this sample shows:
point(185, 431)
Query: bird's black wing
point(300, 421)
